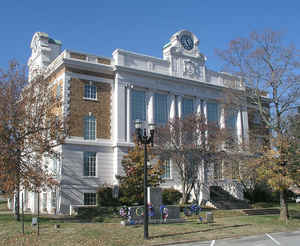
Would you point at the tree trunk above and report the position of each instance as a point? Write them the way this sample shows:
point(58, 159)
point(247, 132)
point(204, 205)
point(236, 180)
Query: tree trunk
point(184, 196)
point(17, 198)
point(284, 213)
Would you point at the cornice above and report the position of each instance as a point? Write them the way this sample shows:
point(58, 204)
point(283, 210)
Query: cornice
point(178, 80)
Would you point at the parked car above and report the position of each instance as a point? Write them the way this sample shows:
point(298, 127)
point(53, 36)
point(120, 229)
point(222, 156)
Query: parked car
point(298, 199)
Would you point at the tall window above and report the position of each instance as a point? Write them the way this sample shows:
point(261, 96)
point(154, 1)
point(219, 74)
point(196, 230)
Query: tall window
point(187, 107)
point(90, 92)
point(89, 198)
point(138, 105)
point(58, 91)
point(53, 199)
point(167, 170)
point(191, 169)
point(89, 128)
point(230, 123)
point(235, 170)
point(54, 166)
point(89, 164)
point(212, 112)
point(161, 108)
point(218, 170)
point(44, 204)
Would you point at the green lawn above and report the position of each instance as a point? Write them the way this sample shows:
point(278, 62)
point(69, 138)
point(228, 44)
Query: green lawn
point(230, 223)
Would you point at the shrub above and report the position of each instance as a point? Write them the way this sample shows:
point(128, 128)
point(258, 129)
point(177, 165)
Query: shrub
point(98, 219)
point(171, 196)
point(87, 213)
point(94, 213)
point(260, 193)
point(105, 197)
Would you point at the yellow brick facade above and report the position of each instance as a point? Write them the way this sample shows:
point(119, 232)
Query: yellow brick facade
point(80, 107)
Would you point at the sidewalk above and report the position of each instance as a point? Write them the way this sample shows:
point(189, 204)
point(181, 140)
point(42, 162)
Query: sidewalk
point(278, 238)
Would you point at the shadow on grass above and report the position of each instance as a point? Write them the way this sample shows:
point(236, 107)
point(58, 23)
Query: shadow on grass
point(205, 230)
point(28, 218)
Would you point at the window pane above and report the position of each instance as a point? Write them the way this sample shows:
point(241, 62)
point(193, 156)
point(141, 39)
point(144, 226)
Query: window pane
point(167, 170)
point(53, 199)
point(89, 164)
point(54, 166)
point(187, 107)
point(58, 90)
point(138, 105)
point(161, 108)
point(231, 119)
point(90, 128)
point(218, 172)
point(86, 91)
point(212, 112)
point(89, 198)
point(176, 106)
point(90, 91)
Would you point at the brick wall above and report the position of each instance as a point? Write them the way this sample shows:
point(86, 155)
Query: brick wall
point(100, 109)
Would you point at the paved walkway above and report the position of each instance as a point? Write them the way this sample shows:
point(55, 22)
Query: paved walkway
point(280, 238)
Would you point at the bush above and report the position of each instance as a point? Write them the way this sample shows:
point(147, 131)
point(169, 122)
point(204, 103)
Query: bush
point(260, 193)
point(105, 197)
point(98, 219)
point(87, 213)
point(171, 196)
point(94, 213)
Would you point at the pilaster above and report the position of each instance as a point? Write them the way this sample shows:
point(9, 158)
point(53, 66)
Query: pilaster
point(179, 106)
point(239, 127)
point(172, 114)
point(150, 106)
point(128, 116)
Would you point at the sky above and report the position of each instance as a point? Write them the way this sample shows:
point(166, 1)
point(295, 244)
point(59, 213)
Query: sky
point(100, 26)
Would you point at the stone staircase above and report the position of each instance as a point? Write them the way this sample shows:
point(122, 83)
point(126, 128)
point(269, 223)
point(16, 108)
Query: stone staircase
point(222, 199)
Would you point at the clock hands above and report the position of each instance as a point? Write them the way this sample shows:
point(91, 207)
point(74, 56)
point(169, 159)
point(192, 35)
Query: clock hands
point(187, 42)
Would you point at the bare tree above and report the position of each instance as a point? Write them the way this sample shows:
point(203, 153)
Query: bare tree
point(31, 126)
point(190, 143)
point(269, 68)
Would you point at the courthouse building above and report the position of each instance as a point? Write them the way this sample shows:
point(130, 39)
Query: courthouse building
point(104, 95)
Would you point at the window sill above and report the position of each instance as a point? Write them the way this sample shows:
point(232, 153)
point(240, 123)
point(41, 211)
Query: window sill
point(90, 99)
point(89, 177)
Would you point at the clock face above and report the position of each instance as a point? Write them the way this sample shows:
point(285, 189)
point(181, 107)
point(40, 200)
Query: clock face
point(187, 42)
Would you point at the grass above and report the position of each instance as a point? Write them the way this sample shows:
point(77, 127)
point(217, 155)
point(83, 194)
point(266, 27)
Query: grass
point(228, 223)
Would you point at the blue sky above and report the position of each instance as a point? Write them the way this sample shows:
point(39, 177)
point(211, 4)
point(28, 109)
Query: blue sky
point(99, 27)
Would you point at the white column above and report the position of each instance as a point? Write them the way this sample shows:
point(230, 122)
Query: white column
point(222, 116)
point(179, 107)
point(198, 106)
point(150, 107)
point(128, 116)
point(245, 126)
point(239, 127)
point(204, 108)
point(119, 111)
point(172, 107)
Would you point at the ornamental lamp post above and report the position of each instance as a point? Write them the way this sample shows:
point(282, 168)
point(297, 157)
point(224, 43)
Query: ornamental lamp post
point(144, 139)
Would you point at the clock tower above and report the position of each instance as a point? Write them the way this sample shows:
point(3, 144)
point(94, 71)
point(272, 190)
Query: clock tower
point(183, 54)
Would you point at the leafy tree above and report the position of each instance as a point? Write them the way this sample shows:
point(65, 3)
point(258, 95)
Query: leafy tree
point(270, 69)
point(280, 165)
point(31, 126)
point(190, 143)
point(132, 182)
